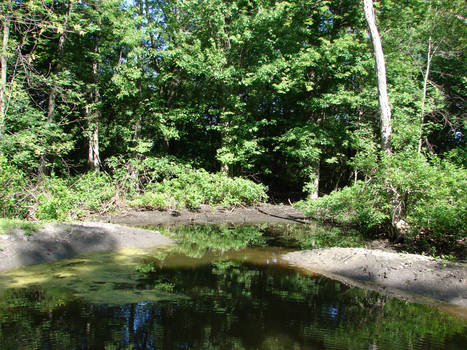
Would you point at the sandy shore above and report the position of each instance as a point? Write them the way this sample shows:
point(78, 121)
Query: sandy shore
point(407, 276)
point(64, 240)
point(207, 215)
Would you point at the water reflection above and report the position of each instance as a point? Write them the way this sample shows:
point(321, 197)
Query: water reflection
point(195, 239)
point(221, 299)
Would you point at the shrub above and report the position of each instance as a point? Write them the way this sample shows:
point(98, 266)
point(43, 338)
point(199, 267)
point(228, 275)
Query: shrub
point(96, 191)
point(54, 200)
point(432, 195)
point(174, 182)
point(361, 204)
point(149, 183)
point(12, 184)
point(151, 200)
point(68, 199)
point(195, 187)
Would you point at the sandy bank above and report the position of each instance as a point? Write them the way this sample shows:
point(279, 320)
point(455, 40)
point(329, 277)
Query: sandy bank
point(261, 213)
point(407, 276)
point(63, 240)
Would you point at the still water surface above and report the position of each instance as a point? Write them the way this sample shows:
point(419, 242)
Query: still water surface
point(223, 288)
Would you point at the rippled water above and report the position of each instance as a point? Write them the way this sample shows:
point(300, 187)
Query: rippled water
point(205, 296)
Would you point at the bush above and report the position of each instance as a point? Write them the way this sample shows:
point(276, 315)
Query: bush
point(149, 183)
point(361, 204)
point(195, 187)
point(150, 200)
point(12, 185)
point(172, 182)
point(431, 194)
point(68, 199)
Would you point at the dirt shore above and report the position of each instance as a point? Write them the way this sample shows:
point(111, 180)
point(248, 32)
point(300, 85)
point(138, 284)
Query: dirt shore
point(208, 215)
point(403, 275)
point(407, 276)
point(64, 240)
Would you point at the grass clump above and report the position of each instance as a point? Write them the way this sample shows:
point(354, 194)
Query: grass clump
point(150, 200)
point(6, 225)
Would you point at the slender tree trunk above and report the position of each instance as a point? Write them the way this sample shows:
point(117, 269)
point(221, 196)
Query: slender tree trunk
point(51, 106)
point(385, 109)
point(3, 72)
point(93, 153)
point(425, 85)
point(315, 180)
point(150, 20)
point(226, 169)
point(396, 200)
point(58, 69)
point(139, 100)
point(50, 112)
point(53, 88)
point(94, 117)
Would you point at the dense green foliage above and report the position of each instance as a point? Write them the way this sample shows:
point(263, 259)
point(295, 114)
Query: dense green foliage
point(433, 202)
point(152, 184)
point(280, 92)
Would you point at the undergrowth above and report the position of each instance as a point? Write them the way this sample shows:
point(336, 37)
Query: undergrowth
point(429, 197)
point(149, 183)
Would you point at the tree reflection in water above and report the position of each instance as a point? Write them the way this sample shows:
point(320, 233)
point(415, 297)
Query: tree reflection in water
point(221, 299)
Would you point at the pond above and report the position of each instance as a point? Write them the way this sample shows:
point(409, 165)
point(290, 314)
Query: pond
point(222, 287)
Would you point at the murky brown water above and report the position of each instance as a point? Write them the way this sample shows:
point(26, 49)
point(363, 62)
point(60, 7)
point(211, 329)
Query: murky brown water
point(201, 295)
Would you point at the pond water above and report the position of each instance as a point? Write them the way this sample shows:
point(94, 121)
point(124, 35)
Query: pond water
point(222, 288)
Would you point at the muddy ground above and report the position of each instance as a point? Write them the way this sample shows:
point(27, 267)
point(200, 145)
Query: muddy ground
point(403, 275)
point(409, 276)
point(208, 215)
point(64, 240)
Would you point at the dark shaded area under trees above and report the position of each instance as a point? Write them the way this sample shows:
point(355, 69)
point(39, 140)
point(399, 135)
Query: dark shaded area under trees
point(148, 93)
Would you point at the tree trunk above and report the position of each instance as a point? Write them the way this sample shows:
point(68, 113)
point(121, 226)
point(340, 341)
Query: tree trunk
point(150, 20)
point(50, 112)
point(226, 168)
point(94, 117)
point(385, 109)
point(3, 73)
point(425, 86)
point(314, 178)
point(93, 153)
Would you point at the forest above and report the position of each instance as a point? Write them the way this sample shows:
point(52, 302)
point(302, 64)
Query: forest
point(157, 104)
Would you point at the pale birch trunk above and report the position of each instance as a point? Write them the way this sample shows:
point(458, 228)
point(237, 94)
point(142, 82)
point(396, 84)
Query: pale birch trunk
point(3, 73)
point(94, 117)
point(425, 86)
point(315, 180)
point(385, 109)
point(93, 152)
